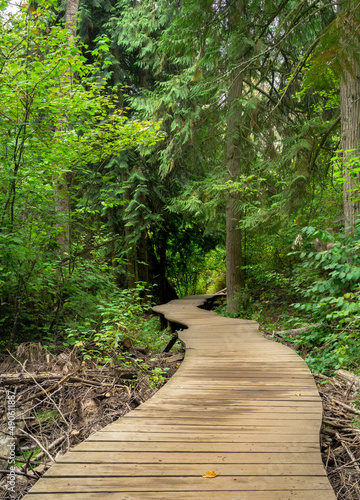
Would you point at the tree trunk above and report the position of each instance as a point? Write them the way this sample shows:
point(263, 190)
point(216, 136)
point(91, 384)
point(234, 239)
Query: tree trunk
point(72, 7)
point(63, 202)
point(234, 257)
point(350, 130)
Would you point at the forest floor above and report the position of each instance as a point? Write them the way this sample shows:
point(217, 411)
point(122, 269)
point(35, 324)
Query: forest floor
point(60, 401)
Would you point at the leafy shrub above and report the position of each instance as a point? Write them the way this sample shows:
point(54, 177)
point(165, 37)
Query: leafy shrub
point(119, 315)
point(333, 299)
point(335, 294)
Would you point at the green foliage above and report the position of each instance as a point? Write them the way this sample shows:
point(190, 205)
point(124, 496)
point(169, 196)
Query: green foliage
point(26, 455)
point(56, 121)
point(332, 298)
point(194, 263)
point(90, 195)
point(265, 297)
point(337, 48)
point(158, 377)
point(114, 316)
point(329, 348)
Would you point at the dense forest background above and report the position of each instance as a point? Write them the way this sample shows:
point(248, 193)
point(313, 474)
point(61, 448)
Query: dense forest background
point(151, 150)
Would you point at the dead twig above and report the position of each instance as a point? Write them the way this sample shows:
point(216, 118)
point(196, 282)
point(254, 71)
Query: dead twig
point(349, 452)
point(18, 473)
point(344, 405)
point(50, 447)
point(52, 388)
point(38, 443)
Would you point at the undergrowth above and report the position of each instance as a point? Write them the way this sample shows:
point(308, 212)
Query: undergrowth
point(323, 290)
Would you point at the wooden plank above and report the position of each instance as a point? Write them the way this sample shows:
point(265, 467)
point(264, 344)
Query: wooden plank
point(224, 392)
point(239, 378)
point(195, 446)
point(198, 423)
point(230, 399)
point(240, 404)
point(258, 436)
point(235, 407)
point(215, 420)
point(230, 408)
point(188, 470)
point(276, 427)
point(234, 385)
point(206, 397)
point(179, 483)
point(316, 494)
point(150, 457)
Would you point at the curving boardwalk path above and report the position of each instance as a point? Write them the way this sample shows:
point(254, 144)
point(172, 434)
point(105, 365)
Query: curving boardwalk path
point(240, 405)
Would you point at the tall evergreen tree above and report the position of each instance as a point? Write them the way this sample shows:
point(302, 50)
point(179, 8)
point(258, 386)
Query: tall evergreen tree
point(228, 72)
point(225, 85)
point(350, 110)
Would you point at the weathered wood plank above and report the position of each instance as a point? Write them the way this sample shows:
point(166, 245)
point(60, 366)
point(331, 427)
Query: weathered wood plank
point(195, 446)
point(200, 421)
point(236, 407)
point(259, 427)
point(150, 457)
point(180, 483)
point(194, 437)
point(185, 470)
point(316, 494)
point(186, 447)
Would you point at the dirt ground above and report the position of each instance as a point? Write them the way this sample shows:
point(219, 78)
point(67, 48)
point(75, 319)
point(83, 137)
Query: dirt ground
point(59, 401)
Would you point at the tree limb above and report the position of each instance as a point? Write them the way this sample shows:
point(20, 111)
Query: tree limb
point(294, 332)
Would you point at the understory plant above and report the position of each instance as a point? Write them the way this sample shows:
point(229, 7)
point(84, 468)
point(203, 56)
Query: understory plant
point(331, 298)
point(122, 314)
point(46, 153)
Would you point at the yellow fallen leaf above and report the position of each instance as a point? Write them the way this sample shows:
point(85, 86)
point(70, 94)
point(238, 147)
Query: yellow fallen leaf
point(297, 393)
point(209, 474)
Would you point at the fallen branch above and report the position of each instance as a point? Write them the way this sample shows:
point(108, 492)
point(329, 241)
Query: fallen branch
point(38, 443)
point(52, 388)
point(30, 476)
point(334, 424)
point(74, 380)
point(175, 358)
point(50, 447)
point(348, 377)
point(348, 451)
point(26, 378)
point(172, 342)
point(347, 407)
point(294, 332)
point(348, 464)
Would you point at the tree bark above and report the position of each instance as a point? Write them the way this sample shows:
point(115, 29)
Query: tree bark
point(63, 202)
point(349, 377)
point(72, 7)
point(350, 126)
point(234, 257)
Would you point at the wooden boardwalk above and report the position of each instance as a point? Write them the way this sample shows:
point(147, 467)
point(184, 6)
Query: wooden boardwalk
point(240, 405)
